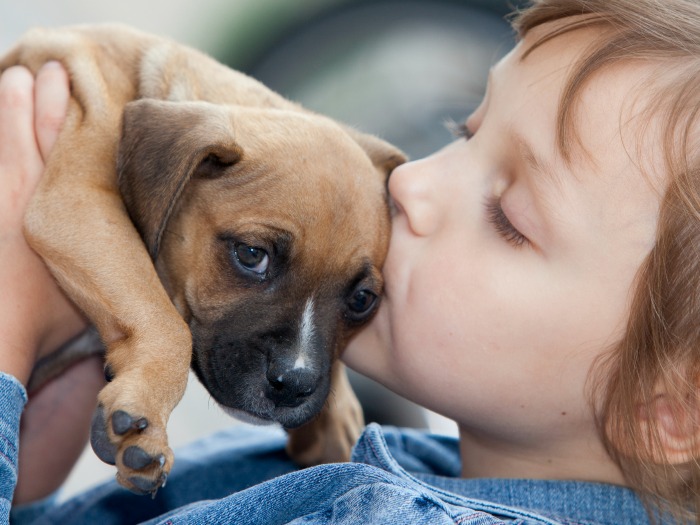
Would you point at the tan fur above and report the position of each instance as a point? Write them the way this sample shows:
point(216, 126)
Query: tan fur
point(331, 196)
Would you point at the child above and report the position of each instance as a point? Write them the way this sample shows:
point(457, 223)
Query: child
point(540, 291)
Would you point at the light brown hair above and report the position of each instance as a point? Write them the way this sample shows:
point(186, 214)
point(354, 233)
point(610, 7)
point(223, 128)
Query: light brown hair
point(660, 351)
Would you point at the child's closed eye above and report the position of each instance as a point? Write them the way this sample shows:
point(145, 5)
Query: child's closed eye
point(499, 220)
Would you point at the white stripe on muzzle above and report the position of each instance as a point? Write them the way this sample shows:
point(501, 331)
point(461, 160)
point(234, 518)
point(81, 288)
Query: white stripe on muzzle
point(306, 333)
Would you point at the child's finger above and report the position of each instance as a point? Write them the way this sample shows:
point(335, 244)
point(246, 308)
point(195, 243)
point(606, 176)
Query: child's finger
point(51, 93)
point(17, 139)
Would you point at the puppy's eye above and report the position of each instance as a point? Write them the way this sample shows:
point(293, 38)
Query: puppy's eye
point(251, 258)
point(361, 303)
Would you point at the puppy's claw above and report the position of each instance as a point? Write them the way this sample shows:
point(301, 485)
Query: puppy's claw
point(138, 459)
point(122, 423)
point(99, 439)
point(143, 485)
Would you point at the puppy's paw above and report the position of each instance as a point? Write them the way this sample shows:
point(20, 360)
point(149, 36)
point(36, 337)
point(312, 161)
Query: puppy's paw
point(135, 443)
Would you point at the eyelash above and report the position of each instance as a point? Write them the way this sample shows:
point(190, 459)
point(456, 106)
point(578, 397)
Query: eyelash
point(502, 224)
point(460, 130)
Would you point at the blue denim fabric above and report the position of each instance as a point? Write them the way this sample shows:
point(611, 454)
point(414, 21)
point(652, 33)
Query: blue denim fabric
point(13, 397)
point(397, 476)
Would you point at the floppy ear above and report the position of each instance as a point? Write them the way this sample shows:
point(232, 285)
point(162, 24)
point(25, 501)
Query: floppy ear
point(383, 155)
point(163, 146)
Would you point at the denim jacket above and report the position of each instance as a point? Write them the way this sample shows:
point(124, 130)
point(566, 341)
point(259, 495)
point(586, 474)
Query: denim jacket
point(397, 476)
point(377, 488)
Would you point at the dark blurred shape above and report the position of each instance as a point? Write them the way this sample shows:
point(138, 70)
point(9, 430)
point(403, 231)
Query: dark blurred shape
point(398, 69)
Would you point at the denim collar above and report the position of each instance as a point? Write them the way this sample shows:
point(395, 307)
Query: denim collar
point(434, 463)
point(566, 501)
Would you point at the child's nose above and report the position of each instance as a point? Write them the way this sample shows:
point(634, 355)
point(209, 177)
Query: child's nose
point(411, 189)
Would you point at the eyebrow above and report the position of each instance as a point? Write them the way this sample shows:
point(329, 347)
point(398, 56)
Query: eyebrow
point(535, 162)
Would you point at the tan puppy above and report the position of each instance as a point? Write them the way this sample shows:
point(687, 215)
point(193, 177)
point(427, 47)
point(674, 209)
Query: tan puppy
point(198, 218)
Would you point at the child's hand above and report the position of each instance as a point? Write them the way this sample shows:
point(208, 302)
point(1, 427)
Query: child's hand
point(29, 125)
point(35, 317)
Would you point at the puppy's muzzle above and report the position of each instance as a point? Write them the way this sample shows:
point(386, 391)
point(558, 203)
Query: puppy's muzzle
point(264, 377)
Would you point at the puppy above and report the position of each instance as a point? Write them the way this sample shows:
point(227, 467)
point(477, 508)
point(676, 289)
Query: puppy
point(198, 218)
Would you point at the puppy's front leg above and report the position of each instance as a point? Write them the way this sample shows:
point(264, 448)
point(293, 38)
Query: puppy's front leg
point(330, 437)
point(78, 224)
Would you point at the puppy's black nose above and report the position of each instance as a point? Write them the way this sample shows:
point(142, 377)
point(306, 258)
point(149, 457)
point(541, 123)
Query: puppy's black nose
point(290, 388)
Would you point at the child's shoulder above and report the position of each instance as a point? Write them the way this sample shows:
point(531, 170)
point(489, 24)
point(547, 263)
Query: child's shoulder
point(429, 466)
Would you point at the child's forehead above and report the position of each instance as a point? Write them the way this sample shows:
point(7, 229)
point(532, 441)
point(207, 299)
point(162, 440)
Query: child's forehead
point(616, 104)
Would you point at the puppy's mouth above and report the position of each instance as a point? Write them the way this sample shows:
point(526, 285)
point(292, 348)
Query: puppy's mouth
point(247, 386)
point(262, 415)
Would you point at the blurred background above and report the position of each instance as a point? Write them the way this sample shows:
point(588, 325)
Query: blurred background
point(398, 69)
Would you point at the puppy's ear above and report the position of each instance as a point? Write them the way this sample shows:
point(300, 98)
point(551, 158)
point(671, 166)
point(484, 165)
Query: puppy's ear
point(383, 155)
point(163, 146)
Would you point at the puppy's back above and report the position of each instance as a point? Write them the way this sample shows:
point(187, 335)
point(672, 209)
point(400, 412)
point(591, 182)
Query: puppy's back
point(116, 63)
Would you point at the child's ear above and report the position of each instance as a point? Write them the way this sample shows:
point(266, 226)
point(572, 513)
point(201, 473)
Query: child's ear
point(676, 439)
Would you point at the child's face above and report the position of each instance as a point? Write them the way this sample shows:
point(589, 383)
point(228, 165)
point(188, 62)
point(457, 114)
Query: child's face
point(510, 271)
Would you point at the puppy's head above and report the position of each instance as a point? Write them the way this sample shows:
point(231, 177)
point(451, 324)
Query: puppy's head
point(269, 229)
